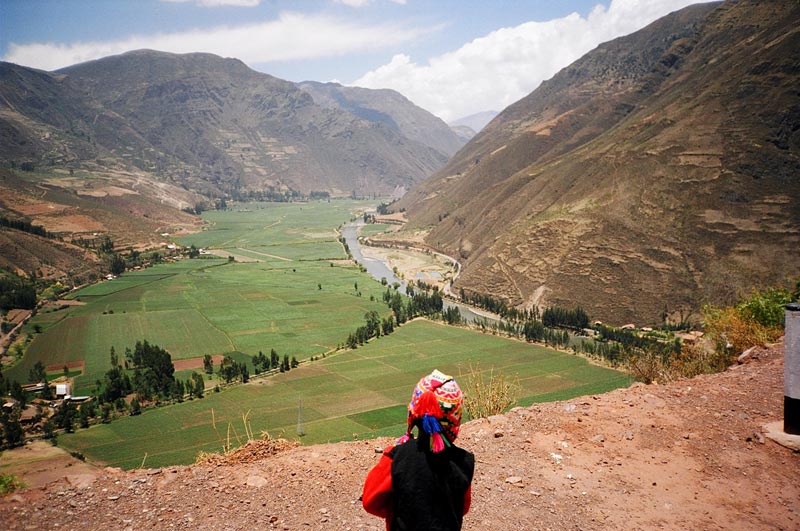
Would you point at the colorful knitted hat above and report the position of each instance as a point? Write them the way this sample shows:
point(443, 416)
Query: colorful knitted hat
point(436, 407)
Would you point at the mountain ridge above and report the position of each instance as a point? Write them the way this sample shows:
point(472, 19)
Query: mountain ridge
point(630, 183)
point(199, 120)
point(390, 107)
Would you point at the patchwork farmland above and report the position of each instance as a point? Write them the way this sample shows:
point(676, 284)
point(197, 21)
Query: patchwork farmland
point(299, 296)
point(360, 393)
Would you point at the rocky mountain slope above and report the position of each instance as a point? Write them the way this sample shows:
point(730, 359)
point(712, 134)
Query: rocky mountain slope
point(206, 123)
point(387, 107)
point(657, 172)
point(686, 455)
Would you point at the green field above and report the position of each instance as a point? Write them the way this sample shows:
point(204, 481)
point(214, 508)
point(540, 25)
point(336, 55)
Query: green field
point(301, 298)
point(295, 300)
point(353, 393)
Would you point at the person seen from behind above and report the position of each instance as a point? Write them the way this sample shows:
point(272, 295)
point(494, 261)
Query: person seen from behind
point(424, 483)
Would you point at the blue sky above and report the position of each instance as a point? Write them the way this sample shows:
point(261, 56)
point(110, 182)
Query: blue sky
point(451, 57)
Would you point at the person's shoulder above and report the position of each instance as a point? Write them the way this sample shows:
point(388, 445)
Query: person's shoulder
point(461, 454)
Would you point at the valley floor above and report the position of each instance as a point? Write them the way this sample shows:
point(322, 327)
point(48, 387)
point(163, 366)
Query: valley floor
point(686, 455)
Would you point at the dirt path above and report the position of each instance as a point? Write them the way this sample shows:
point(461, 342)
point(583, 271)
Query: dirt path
point(687, 455)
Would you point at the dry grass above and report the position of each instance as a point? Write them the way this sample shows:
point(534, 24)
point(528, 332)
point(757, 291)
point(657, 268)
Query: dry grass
point(733, 332)
point(488, 394)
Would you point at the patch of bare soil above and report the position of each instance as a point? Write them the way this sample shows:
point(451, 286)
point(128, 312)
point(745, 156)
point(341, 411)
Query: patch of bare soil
point(686, 455)
point(196, 363)
point(41, 463)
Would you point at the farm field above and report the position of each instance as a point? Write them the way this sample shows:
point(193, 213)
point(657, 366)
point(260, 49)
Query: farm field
point(299, 298)
point(359, 393)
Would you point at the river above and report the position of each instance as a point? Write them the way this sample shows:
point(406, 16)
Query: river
point(378, 269)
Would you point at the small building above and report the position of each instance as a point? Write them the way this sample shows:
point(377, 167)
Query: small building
point(690, 338)
point(63, 390)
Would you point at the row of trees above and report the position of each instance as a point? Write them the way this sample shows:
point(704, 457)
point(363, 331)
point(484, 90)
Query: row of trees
point(25, 226)
point(17, 292)
point(153, 377)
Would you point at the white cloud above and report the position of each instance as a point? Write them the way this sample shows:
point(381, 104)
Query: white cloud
point(498, 69)
point(353, 3)
point(292, 36)
point(362, 3)
point(218, 3)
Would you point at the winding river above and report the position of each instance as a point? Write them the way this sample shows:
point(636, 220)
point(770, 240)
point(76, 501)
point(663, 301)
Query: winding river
point(378, 269)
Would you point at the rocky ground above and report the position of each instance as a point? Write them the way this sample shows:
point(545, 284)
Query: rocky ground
point(687, 455)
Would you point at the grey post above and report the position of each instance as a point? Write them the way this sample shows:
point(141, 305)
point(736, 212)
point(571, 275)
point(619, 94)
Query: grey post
point(791, 371)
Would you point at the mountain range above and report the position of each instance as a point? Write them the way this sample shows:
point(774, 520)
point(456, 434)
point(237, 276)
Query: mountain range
point(658, 172)
point(215, 126)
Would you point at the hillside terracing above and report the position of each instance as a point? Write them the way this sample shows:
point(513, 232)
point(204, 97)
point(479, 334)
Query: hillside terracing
point(686, 455)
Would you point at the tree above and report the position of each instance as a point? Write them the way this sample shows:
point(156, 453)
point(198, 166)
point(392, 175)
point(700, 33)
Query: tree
point(228, 369)
point(198, 384)
point(37, 374)
point(274, 360)
point(116, 383)
point(117, 264)
point(294, 362)
point(12, 432)
point(64, 416)
point(83, 416)
point(208, 364)
point(155, 371)
point(136, 407)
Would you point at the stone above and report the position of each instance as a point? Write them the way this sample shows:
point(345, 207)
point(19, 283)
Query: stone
point(745, 356)
point(256, 481)
point(599, 438)
point(514, 480)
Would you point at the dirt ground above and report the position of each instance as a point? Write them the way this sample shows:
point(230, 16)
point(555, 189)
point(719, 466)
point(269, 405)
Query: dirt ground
point(686, 455)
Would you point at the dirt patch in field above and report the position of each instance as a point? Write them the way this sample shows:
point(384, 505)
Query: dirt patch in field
point(105, 191)
point(16, 316)
point(224, 253)
point(65, 302)
point(75, 223)
point(26, 205)
point(71, 365)
point(196, 363)
point(39, 463)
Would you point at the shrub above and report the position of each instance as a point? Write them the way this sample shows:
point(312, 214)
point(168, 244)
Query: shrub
point(766, 308)
point(733, 331)
point(9, 483)
point(488, 394)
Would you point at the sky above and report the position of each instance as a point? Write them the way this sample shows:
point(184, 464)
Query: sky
point(453, 58)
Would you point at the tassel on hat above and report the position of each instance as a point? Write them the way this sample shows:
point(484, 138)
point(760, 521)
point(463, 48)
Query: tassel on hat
point(425, 410)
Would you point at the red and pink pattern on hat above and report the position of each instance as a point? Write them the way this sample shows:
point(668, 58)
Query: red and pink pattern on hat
point(437, 395)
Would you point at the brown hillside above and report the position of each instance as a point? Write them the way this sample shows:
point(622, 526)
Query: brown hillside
point(656, 173)
point(687, 455)
point(206, 123)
